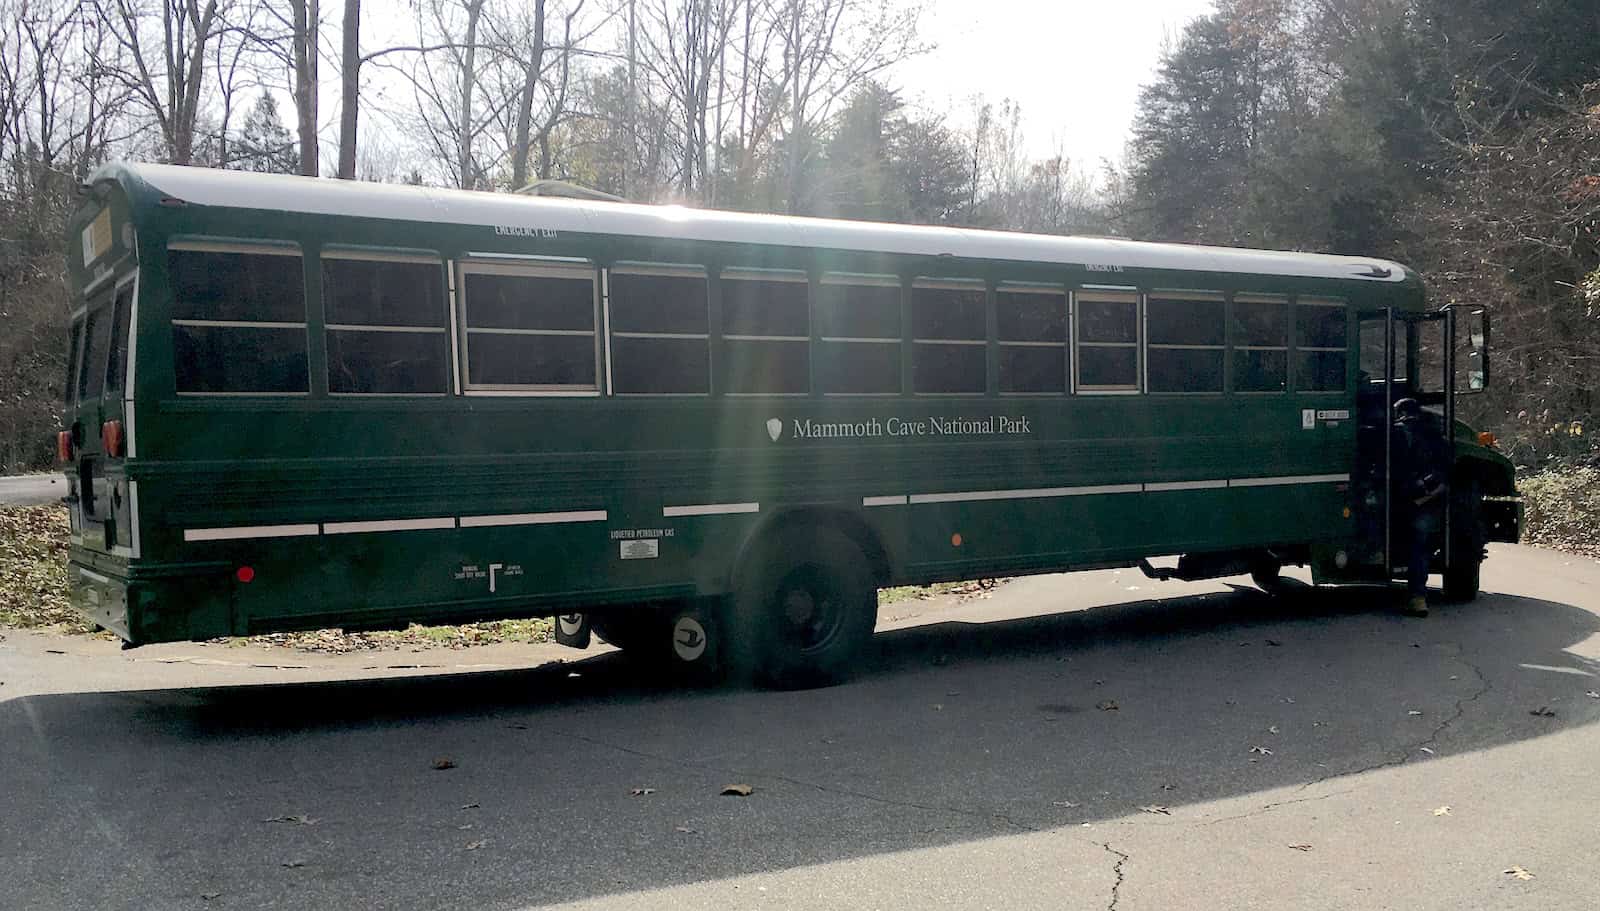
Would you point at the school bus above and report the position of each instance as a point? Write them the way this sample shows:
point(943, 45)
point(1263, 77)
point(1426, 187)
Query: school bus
point(709, 436)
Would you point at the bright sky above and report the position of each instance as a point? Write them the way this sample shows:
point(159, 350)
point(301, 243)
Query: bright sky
point(1075, 66)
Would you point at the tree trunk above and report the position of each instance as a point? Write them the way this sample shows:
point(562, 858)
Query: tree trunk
point(530, 82)
point(305, 81)
point(350, 89)
point(464, 166)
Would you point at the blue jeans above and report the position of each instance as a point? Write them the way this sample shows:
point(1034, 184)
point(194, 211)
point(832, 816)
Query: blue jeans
point(1423, 526)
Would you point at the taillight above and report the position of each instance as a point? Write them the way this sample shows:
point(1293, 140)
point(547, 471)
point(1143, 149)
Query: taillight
point(64, 446)
point(111, 438)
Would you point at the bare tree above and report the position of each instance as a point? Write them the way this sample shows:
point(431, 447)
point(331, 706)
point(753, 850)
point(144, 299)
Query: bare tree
point(165, 75)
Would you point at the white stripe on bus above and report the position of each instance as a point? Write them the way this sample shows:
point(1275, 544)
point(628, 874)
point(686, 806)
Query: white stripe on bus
point(345, 528)
point(710, 509)
point(893, 500)
point(248, 531)
point(533, 518)
point(1023, 493)
point(1185, 485)
point(93, 575)
point(1289, 479)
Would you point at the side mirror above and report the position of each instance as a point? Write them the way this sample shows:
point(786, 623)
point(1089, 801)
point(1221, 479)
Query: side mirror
point(1472, 350)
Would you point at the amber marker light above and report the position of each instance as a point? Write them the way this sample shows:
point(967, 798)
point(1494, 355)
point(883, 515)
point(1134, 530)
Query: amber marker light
point(1485, 438)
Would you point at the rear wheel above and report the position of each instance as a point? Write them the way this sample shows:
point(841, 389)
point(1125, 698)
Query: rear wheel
point(1267, 575)
point(805, 607)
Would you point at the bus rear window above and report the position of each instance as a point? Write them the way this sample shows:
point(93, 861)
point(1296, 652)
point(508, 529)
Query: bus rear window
point(69, 385)
point(91, 371)
point(238, 320)
point(117, 360)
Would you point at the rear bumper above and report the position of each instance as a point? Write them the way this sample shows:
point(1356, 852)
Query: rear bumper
point(100, 596)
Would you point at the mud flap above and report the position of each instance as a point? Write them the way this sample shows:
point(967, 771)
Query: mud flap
point(572, 630)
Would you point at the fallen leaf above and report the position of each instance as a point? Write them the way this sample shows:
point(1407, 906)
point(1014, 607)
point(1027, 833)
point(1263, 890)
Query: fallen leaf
point(302, 820)
point(469, 806)
point(1442, 811)
point(1065, 803)
point(1108, 706)
point(1543, 711)
point(1516, 872)
point(684, 829)
point(464, 828)
point(475, 845)
point(294, 863)
point(1413, 712)
point(738, 790)
point(1272, 730)
point(1169, 787)
point(1593, 694)
point(1289, 699)
point(208, 896)
point(1274, 643)
point(1301, 847)
point(442, 763)
point(1164, 811)
point(1426, 750)
point(641, 792)
point(1262, 750)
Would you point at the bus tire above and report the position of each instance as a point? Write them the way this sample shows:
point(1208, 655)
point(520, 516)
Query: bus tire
point(1266, 576)
point(805, 607)
point(1463, 575)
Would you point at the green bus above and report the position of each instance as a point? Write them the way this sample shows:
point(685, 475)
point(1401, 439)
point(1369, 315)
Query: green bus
point(709, 436)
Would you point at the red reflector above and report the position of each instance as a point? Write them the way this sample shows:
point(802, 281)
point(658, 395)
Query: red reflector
point(111, 438)
point(64, 445)
point(245, 573)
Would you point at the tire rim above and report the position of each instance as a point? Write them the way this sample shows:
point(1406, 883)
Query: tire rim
point(809, 609)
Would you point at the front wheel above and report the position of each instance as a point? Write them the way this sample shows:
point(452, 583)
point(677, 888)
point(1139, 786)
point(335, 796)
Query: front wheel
point(1461, 576)
point(806, 606)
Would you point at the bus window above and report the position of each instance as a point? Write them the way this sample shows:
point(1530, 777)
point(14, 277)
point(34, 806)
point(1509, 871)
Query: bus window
point(1321, 345)
point(1260, 343)
point(1031, 325)
point(530, 328)
point(69, 385)
point(117, 359)
point(660, 336)
point(238, 319)
point(386, 322)
point(859, 319)
point(1184, 333)
point(1107, 339)
point(766, 332)
point(950, 349)
point(92, 373)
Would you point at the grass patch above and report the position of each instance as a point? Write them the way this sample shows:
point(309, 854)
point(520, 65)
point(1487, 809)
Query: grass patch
point(33, 570)
point(1562, 509)
point(900, 593)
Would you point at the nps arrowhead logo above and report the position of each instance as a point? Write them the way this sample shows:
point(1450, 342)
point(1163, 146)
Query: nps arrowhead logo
point(774, 429)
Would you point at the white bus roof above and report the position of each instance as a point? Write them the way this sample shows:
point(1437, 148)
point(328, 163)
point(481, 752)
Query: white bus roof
point(517, 214)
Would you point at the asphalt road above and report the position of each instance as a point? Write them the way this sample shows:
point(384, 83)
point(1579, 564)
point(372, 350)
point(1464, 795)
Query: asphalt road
point(1092, 741)
point(31, 489)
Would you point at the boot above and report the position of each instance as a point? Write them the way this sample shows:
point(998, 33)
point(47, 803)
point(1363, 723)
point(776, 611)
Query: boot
point(1417, 606)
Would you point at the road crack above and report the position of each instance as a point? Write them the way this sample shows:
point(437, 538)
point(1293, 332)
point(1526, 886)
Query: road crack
point(1398, 758)
point(1116, 871)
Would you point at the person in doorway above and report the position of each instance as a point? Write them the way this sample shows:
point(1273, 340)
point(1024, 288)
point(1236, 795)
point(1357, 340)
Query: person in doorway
point(1420, 490)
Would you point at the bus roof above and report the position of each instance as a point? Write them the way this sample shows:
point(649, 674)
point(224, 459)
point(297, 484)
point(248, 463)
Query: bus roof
point(515, 213)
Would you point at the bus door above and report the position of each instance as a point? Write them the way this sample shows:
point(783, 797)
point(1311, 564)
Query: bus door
point(1405, 354)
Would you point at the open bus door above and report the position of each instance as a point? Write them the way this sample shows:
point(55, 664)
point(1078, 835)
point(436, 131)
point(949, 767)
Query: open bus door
point(1432, 357)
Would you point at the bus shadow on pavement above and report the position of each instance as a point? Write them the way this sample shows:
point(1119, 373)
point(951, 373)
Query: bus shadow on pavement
point(952, 732)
